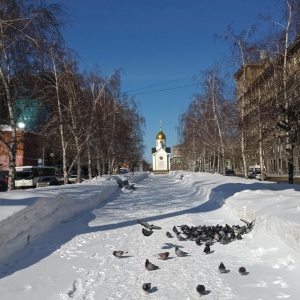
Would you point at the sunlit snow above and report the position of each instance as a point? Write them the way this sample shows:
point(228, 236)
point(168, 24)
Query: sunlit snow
point(57, 243)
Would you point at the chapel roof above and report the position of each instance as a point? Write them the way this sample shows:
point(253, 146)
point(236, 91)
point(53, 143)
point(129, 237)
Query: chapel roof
point(161, 135)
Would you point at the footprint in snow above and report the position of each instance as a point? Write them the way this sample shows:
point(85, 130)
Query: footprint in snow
point(280, 282)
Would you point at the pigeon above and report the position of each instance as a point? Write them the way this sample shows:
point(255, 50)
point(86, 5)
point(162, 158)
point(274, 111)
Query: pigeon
point(163, 255)
point(180, 238)
point(150, 266)
point(249, 224)
point(239, 236)
point(179, 252)
point(206, 249)
point(147, 225)
point(200, 289)
point(169, 235)
point(242, 270)
point(146, 232)
point(146, 287)
point(198, 242)
point(119, 253)
point(222, 268)
point(224, 241)
point(175, 230)
point(184, 228)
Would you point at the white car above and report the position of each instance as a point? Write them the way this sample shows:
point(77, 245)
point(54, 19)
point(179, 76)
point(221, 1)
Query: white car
point(72, 179)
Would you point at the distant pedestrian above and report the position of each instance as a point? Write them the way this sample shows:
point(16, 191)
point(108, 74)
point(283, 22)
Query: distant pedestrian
point(96, 174)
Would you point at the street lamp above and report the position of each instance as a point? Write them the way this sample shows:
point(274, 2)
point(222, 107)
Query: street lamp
point(52, 158)
point(21, 125)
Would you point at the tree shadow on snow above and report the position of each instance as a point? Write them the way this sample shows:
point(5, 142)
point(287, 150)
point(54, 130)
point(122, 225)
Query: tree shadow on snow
point(52, 242)
point(216, 199)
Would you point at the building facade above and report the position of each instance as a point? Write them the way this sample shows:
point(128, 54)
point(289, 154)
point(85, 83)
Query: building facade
point(161, 161)
point(30, 150)
point(268, 95)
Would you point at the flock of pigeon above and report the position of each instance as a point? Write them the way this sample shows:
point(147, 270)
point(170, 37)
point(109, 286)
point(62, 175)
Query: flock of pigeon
point(201, 234)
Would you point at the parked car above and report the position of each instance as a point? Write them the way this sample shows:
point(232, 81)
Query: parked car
point(257, 175)
point(72, 178)
point(252, 175)
point(3, 186)
point(230, 173)
point(47, 181)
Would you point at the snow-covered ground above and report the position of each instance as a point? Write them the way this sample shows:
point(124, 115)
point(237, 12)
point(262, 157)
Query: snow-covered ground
point(66, 236)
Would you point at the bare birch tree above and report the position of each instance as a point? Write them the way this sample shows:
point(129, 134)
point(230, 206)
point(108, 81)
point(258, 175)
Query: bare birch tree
point(284, 30)
point(209, 122)
point(26, 30)
point(58, 69)
point(242, 53)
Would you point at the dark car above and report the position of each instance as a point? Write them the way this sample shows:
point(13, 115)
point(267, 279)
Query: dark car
point(257, 175)
point(253, 175)
point(230, 173)
point(3, 186)
point(47, 181)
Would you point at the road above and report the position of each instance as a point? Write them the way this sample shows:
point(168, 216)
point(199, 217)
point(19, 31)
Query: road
point(277, 179)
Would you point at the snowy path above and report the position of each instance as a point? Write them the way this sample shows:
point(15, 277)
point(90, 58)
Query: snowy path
point(75, 260)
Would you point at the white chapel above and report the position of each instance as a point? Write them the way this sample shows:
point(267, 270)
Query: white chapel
point(161, 155)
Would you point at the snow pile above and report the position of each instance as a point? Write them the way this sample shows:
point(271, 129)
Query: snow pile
point(34, 216)
point(279, 212)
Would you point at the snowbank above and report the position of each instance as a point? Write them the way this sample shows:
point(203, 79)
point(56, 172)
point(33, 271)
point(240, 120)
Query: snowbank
point(271, 205)
point(34, 216)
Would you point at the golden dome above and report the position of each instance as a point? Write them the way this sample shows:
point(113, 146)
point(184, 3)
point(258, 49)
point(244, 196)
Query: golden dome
point(161, 136)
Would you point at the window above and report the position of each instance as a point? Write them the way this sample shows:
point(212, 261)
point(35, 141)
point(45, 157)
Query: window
point(295, 60)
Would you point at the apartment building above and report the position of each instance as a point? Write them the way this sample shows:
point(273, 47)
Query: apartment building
point(269, 111)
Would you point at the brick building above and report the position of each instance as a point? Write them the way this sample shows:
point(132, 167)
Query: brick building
point(30, 150)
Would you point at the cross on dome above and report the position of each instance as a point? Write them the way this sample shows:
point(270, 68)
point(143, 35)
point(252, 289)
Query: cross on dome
point(160, 135)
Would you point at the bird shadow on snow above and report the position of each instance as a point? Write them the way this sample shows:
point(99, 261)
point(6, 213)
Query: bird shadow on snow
point(51, 241)
point(153, 290)
point(168, 246)
point(170, 257)
point(125, 256)
point(206, 292)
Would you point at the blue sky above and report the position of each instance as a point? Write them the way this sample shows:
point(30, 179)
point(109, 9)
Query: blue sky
point(159, 44)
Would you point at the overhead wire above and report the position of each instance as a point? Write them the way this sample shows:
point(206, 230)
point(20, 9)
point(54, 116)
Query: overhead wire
point(159, 84)
point(164, 83)
point(174, 88)
point(167, 82)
